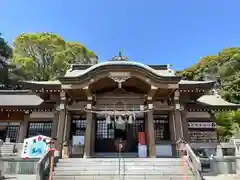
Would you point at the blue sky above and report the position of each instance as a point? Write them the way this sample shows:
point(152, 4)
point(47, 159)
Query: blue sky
point(150, 31)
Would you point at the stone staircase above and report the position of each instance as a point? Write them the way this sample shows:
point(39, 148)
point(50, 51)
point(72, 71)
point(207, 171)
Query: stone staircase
point(6, 149)
point(129, 169)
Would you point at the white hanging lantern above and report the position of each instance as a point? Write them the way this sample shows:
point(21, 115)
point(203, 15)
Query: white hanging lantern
point(141, 107)
point(108, 119)
point(130, 119)
point(134, 116)
point(120, 120)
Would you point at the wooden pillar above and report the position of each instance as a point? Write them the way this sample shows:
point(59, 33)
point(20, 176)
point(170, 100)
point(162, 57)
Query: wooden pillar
point(178, 123)
point(93, 135)
point(61, 121)
point(178, 116)
point(60, 129)
point(185, 125)
point(172, 126)
point(67, 126)
point(87, 145)
point(54, 125)
point(23, 128)
point(151, 135)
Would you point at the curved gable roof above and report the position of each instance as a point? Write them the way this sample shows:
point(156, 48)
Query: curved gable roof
point(167, 73)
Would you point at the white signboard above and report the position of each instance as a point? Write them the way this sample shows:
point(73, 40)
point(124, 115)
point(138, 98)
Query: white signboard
point(198, 125)
point(78, 140)
point(142, 151)
point(35, 147)
point(163, 150)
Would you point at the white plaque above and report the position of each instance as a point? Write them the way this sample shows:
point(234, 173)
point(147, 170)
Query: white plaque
point(78, 140)
point(163, 150)
point(35, 147)
point(142, 151)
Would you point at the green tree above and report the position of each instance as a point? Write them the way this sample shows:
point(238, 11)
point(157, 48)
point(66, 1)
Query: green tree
point(225, 66)
point(5, 49)
point(5, 55)
point(46, 56)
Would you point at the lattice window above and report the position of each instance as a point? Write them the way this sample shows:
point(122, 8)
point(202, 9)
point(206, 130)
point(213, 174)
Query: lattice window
point(12, 132)
point(78, 126)
point(39, 128)
point(104, 130)
point(161, 127)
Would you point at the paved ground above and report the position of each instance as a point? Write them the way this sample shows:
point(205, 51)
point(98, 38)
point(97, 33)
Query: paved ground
point(20, 177)
point(223, 177)
point(219, 177)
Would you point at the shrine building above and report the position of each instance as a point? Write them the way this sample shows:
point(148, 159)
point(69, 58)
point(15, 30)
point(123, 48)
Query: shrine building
point(114, 99)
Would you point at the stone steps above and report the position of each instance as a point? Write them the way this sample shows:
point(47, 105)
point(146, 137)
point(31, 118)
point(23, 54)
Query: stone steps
point(7, 149)
point(130, 168)
point(125, 159)
point(82, 164)
point(136, 177)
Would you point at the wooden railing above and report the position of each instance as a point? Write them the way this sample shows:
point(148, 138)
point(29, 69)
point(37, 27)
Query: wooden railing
point(193, 162)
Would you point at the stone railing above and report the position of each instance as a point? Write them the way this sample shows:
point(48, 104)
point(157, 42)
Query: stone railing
point(18, 166)
point(43, 166)
point(193, 162)
point(1, 162)
point(224, 165)
point(1, 168)
point(11, 149)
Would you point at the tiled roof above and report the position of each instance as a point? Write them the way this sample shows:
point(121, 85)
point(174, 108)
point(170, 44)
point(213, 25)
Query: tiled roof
point(76, 73)
point(44, 82)
point(195, 82)
point(20, 100)
point(215, 100)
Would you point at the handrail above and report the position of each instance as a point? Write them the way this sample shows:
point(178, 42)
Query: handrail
point(119, 161)
point(120, 157)
point(42, 165)
point(194, 162)
point(47, 161)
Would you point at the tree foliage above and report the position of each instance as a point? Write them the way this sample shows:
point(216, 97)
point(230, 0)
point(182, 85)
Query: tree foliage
point(5, 49)
point(46, 56)
point(5, 54)
point(225, 66)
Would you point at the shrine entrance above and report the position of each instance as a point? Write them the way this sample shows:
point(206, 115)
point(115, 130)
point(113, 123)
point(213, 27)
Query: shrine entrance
point(108, 135)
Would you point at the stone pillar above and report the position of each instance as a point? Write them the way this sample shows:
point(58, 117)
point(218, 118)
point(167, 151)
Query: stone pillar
point(237, 154)
point(151, 135)
point(87, 142)
point(23, 128)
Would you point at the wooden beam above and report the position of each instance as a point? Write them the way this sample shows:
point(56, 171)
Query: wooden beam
point(88, 93)
point(152, 92)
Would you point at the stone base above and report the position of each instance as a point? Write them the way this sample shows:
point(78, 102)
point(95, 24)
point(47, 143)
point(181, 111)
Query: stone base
point(238, 167)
